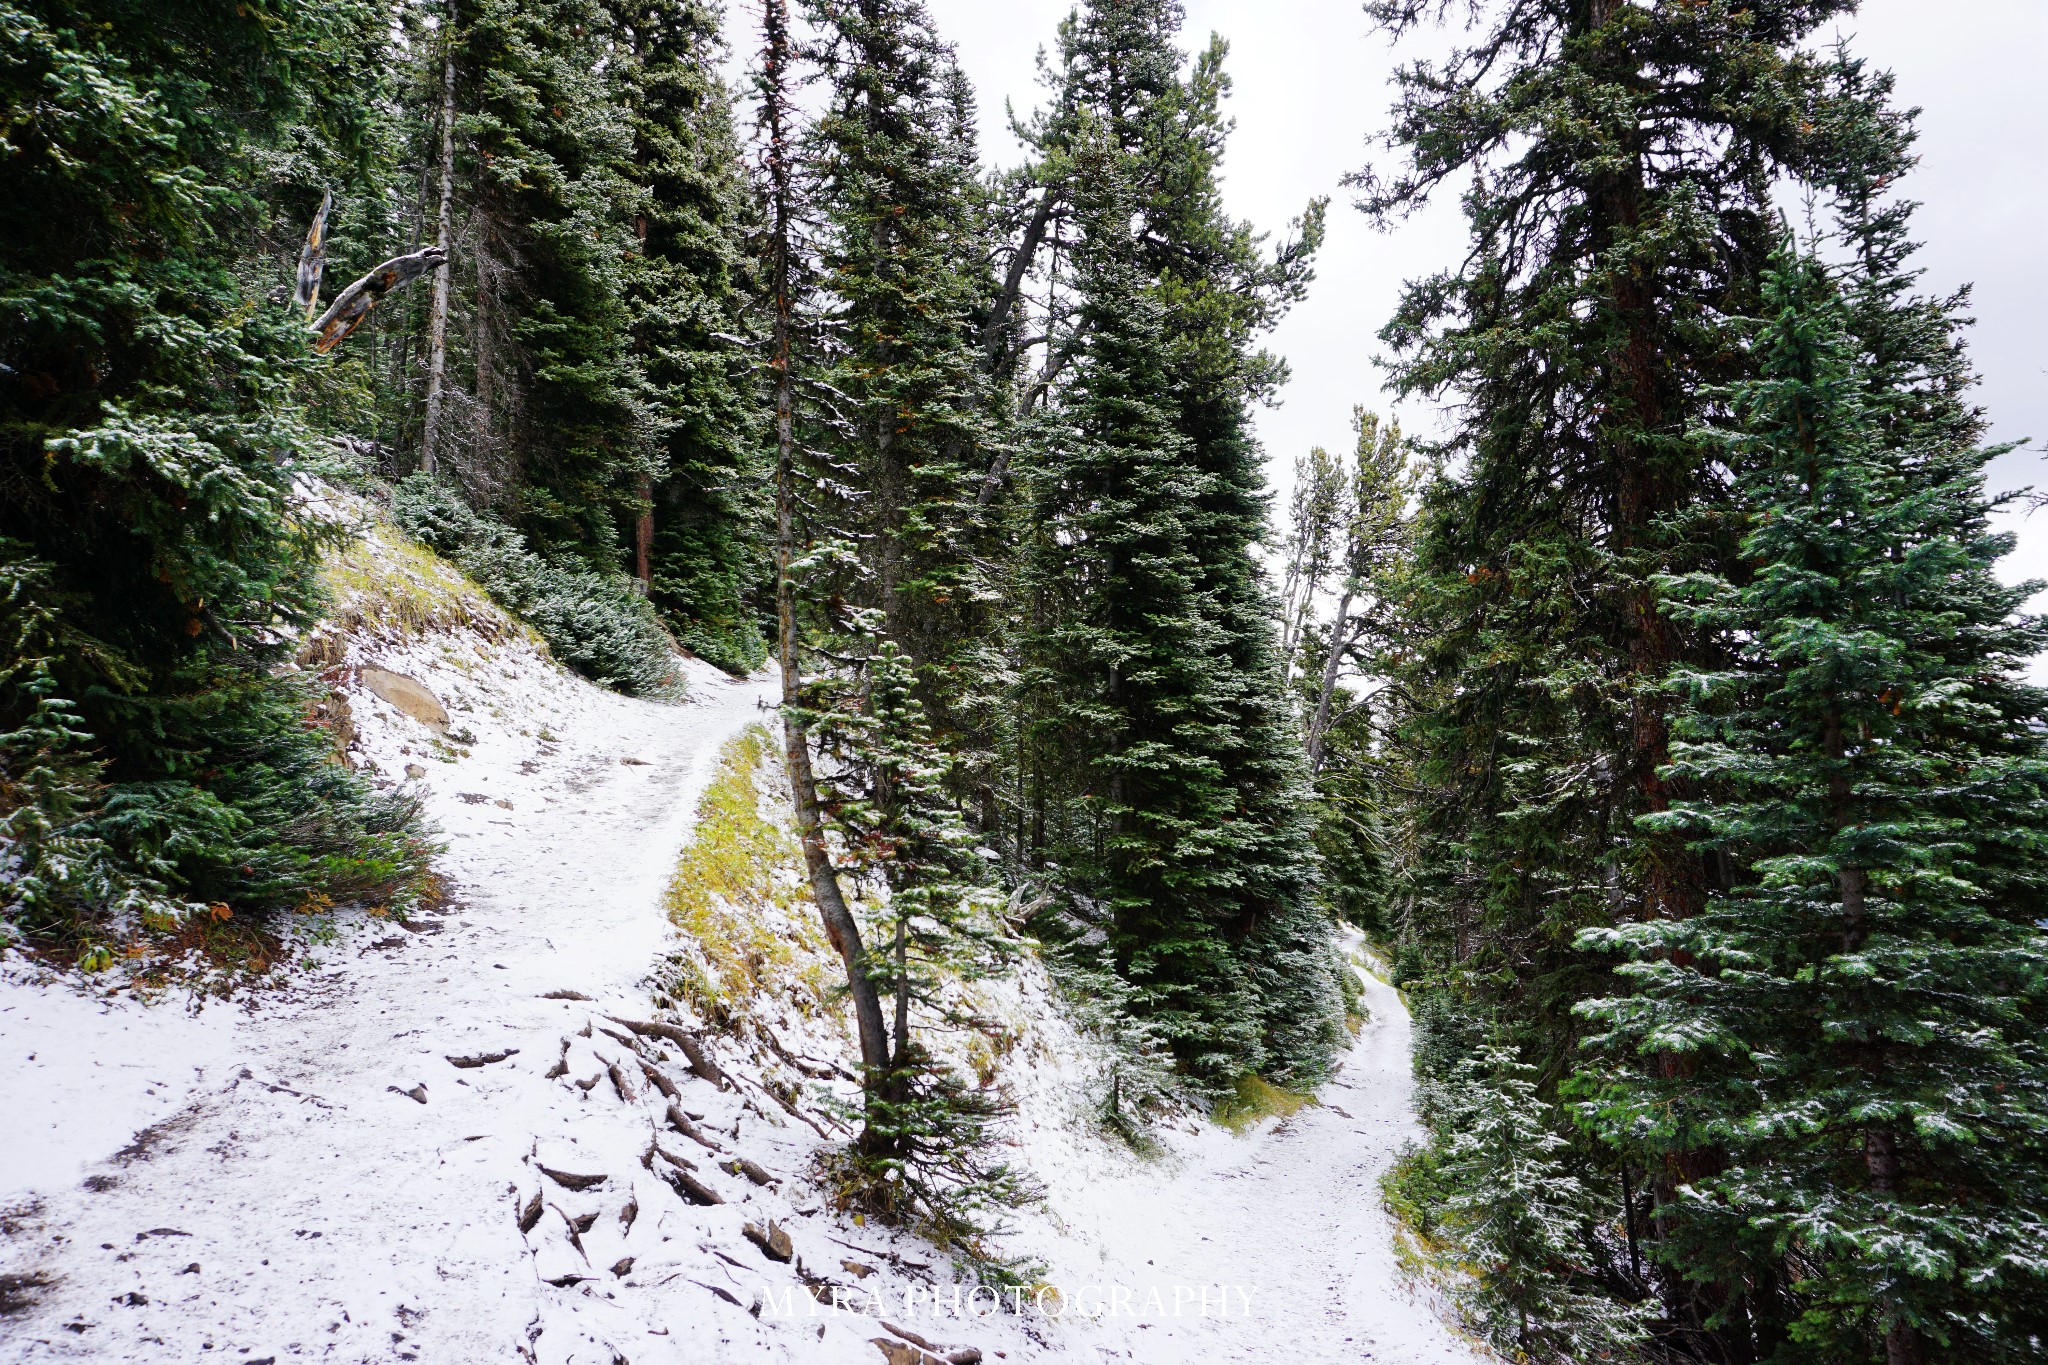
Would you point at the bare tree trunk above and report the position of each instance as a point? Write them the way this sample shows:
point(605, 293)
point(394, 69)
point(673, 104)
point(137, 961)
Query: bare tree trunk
point(902, 990)
point(1013, 283)
point(1290, 616)
point(1628, 1220)
point(840, 925)
point(444, 221)
point(313, 260)
point(643, 537)
point(1055, 359)
point(1319, 723)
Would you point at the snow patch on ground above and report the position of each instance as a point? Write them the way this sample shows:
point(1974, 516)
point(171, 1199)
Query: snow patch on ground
point(82, 1072)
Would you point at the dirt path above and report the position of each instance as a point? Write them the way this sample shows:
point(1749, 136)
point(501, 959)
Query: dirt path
point(1292, 1216)
point(299, 1205)
point(293, 1198)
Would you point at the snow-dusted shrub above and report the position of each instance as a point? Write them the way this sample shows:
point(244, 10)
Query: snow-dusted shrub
point(595, 622)
point(1521, 1222)
point(1132, 1072)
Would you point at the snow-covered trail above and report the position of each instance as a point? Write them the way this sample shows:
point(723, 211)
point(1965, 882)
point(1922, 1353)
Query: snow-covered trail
point(1285, 1229)
point(299, 1204)
point(317, 1181)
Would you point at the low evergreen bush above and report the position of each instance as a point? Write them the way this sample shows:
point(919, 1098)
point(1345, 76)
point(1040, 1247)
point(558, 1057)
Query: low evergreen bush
point(594, 622)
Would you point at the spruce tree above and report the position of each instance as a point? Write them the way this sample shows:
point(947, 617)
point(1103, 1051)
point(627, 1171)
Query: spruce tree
point(1358, 506)
point(1157, 718)
point(155, 566)
point(1123, 665)
point(905, 250)
point(894, 529)
point(1624, 158)
point(587, 359)
point(1860, 1012)
point(689, 290)
point(789, 280)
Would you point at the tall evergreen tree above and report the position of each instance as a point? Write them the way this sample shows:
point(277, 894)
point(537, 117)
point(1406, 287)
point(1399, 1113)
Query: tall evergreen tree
point(688, 290)
point(1624, 158)
point(555, 436)
point(1861, 1010)
point(1357, 506)
point(893, 527)
point(788, 280)
point(905, 252)
point(155, 568)
point(1159, 726)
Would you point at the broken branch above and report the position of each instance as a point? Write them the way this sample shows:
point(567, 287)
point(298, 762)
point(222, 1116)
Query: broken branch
point(354, 303)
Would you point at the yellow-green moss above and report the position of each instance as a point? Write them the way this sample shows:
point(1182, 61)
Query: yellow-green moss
point(740, 897)
point(1413, 1193)
point(1254, 1098)
point(384, 583)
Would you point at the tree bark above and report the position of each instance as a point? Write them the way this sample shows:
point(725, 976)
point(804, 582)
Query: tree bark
point(354, 303)
point(840, 925)
point(1333, 663)
point(643, 537)
point(1013, 283)
point(313, 259)
point(437, 313)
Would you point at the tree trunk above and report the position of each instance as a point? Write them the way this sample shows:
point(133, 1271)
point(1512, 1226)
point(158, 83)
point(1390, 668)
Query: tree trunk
point(1646, 488)
point(313, 260)
point(1013, 284)
point(1880, 1143)
point(840, 925)
point(643, 537)
point(902, 991)
point(437, 313)
point(1319, 724)
point(1881, 1160)
point(1628, 1222)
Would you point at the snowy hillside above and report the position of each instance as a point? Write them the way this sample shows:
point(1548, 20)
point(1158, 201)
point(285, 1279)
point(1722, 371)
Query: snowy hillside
point(490, 1132)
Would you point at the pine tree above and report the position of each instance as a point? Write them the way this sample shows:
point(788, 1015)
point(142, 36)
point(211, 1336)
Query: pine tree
point(156, 568)
point(788, 280)
point(1124, 665)
point(1375, 535)
point(689, 289)
point(1520, 1218)
point(588, 358)
point(1624, 159)
point(1316, 516)
point(1363, 514)
point(1157, 722)
point(1861, 1010)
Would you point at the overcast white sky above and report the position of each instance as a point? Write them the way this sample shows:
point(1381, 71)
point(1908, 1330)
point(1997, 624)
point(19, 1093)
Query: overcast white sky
point(1311, 91)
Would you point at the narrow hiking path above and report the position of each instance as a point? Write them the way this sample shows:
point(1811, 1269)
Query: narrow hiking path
point(298, 1204)
point(315, 1179)
point(1284, 1227)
